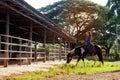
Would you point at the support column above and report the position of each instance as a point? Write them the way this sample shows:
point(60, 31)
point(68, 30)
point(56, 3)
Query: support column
point(35, 56)
point(44, 42)
point(60, 56)
point(65, 48)
point(44, 46)
point(30, 44)
point(53, 39)
point(69, 45)
point(0, 43)
point(53, 48)
point(10, 48)
point(6, 54)
point(20, 49)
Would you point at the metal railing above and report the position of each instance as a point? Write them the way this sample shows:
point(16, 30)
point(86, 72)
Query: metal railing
point(19, 49)
point(57, 53)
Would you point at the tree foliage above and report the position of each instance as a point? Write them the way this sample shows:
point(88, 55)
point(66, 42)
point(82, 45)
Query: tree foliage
point(76, 16)
point(113, 19)
point(79, 16)
point(114, 6)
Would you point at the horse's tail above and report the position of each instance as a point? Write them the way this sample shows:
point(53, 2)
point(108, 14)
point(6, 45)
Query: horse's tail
point(99, 53)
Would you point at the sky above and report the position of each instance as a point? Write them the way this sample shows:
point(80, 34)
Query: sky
point(42, 3)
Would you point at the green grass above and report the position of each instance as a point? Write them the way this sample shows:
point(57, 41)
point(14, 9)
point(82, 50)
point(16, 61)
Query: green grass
point(69, 69)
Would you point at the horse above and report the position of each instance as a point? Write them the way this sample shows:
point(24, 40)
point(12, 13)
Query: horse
point(82, 52)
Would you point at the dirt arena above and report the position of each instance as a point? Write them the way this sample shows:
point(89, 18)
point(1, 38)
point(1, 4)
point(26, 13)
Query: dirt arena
point(40, 66)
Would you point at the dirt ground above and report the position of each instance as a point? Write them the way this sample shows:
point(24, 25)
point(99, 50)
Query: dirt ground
point(99, 76)
point(11, 70)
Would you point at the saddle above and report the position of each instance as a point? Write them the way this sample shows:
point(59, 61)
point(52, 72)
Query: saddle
point(90, 49)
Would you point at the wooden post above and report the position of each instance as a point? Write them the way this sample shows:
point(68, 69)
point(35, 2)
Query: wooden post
point(69, 45)
point(30, 44)
point(54, 47)
point(44, 46)
point(0, 43)
point(35, 56)
point(10, 55)
point(60, 57)
point(65, 48)
point(6, 54)
point(44, 38)
point(20, 49)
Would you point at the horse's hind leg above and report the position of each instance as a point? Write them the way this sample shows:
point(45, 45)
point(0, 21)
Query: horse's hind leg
point(95, 59)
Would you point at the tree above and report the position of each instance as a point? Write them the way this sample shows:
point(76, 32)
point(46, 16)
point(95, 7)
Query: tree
point(75, 16)
point(113, 19)
point(114, 6)
point(80, 16)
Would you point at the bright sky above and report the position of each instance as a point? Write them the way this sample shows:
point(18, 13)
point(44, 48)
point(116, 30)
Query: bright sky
point(101, 2)
point(42, 3)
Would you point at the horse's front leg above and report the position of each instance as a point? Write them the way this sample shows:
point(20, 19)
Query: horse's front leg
point(84, 56)
point(83, 61)
point(78, 60)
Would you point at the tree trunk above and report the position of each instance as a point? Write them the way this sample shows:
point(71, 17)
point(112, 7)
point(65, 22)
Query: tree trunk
point(107, 52)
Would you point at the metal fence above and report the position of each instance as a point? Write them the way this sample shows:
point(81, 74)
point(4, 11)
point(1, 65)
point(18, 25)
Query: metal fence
point(23, 51)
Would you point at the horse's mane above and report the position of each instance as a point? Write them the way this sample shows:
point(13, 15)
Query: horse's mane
point(80, 46)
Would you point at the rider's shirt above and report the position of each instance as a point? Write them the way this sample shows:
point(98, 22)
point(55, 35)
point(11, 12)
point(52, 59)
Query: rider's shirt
point(88, 39)
point(88, 42)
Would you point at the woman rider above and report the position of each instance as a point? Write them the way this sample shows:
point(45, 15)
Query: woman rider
point(88, 44)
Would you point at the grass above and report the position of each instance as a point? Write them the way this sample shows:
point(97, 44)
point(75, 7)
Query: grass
point(69, 69)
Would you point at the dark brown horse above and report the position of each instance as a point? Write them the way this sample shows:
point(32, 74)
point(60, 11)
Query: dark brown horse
point(82, 52)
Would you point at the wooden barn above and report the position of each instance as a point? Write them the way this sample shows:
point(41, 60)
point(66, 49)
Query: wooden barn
point(21, 26)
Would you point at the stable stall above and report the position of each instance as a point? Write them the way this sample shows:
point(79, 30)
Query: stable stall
point(21, 27)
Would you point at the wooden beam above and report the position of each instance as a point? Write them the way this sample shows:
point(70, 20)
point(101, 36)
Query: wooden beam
point(44, 44)
point(0, 43)
point(44, 41)
point(23, 14)
point(20, 27)
point(31, 31)
point(53, 39)
point(69, 45)
point(60, 56)
point(30, 43)
point(53, 29)
point(65, 48)
point(35, 56)
point(20, 49)
point(6, 54)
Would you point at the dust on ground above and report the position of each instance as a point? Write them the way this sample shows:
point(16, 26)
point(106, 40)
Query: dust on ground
point(40, 66)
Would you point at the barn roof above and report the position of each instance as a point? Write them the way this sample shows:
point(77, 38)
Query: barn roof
point(23, 16)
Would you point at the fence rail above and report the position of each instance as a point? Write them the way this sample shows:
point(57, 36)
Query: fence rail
point(57, 53)
point(22, 49)
point(19, 49)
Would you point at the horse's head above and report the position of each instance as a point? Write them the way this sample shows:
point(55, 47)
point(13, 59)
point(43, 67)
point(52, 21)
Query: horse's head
point(69, 57)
